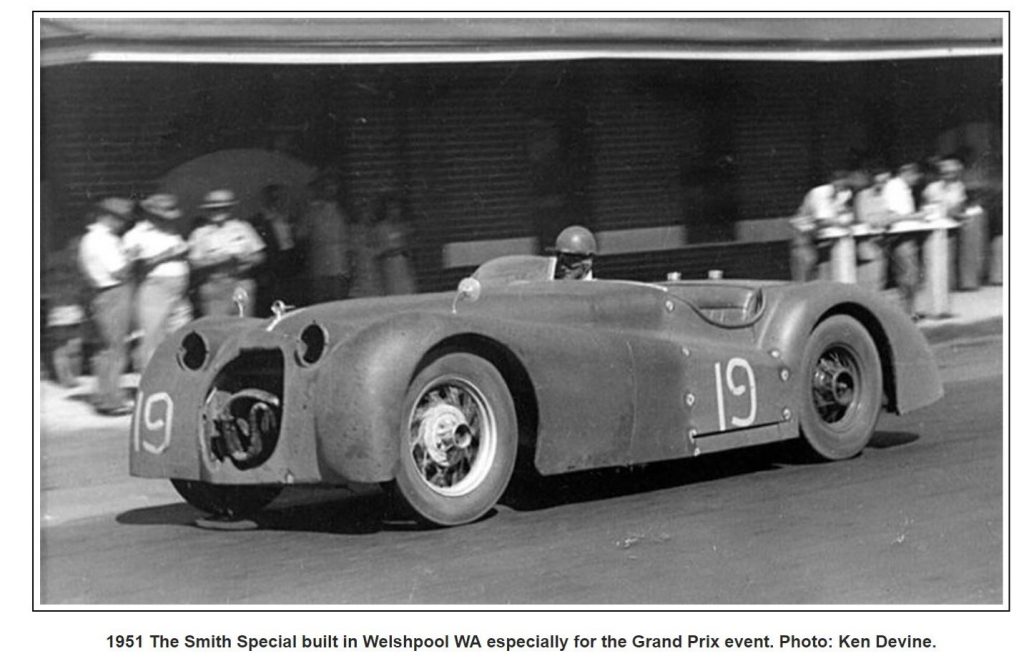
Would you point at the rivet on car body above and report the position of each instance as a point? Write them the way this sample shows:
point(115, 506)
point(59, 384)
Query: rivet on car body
point(690, 399)
point(686, 352)
point(786, 414)
point(696, 451)
point(670, 306)
point(775, 353)
point(289, 478)
point(784, 374)
point(693, 435)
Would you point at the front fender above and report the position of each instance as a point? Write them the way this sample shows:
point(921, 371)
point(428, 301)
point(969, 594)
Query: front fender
point(360, 390)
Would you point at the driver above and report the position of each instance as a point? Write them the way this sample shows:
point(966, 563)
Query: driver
point(575, 248)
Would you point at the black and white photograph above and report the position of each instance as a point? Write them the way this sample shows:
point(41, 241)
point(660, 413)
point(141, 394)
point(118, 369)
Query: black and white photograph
point(542, 312)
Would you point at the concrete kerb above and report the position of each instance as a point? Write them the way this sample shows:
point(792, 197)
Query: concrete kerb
point(941, 333)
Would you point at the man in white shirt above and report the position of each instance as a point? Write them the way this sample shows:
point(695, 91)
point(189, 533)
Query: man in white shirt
point(824, 206)
point(899, 197)
point(223, 252)
point(161, 253)
point(873, 214)
point(106, 265)
point(948, 196)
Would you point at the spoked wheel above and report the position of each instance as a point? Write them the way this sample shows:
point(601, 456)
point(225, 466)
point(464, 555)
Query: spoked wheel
point(842, 393)
point(458, 440)
point(226, 501)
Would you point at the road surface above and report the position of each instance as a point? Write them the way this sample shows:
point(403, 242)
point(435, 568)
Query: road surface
point(916, 519)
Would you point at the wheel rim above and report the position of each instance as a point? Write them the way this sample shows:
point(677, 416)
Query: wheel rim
point(452, 436)
point(836, 386)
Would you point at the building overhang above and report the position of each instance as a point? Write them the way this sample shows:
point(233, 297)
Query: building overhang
point(355, 41)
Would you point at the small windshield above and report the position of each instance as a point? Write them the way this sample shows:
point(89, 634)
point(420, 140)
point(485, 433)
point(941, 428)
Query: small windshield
point(517, 268)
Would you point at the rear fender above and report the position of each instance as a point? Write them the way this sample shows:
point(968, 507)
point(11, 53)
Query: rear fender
point(911, 376)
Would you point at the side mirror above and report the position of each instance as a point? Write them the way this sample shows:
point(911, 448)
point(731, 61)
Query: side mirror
point(469, 290)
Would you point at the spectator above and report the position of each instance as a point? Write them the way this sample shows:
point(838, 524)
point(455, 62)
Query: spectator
point(948, 197)
point(107, 267)
point(899, 198)
point(392, 235)
point(65, 316)
point(274, 280)
point(223, 252)
point(366, 278)
point(326, 232)
point(824, 206)
point(161, 256)
point(871, 210)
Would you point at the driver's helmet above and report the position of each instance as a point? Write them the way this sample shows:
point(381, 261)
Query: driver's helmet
point(576, 248)
point(576, 240)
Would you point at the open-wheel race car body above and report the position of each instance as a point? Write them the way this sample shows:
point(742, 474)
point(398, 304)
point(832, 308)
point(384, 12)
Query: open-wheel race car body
point(442, 396)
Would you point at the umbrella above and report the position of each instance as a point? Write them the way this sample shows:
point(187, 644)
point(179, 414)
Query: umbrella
point(243, 171)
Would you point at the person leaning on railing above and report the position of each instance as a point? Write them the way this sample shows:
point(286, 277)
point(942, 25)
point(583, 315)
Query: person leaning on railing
point(948, 196)
point(904, 248)
point(824, 206)
point(873, 219)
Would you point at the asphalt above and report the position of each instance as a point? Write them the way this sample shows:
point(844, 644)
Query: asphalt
point(974, 314)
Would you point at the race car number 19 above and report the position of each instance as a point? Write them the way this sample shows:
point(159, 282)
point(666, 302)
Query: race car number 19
point(153, 418)
point(736, 389)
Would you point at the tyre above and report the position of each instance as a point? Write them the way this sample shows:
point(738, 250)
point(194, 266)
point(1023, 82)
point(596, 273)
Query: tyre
point(459, 438)
point(226, 501)
point(841, 396)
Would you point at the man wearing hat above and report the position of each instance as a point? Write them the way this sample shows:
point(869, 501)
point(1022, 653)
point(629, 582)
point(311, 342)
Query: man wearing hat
point(161, 254)
point(106, 265)
point(325, 230)
point(224, 251)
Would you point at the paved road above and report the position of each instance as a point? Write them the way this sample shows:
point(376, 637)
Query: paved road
point(917, 519)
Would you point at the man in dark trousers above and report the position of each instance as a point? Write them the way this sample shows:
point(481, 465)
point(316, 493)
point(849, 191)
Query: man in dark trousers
point(107, 267)
point(276, 278)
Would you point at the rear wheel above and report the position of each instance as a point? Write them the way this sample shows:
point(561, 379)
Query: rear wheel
point(225, 501)
point(459, 439)
point(841, 396)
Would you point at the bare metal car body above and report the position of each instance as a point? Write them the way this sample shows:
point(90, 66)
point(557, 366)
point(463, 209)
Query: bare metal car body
point(600, 373)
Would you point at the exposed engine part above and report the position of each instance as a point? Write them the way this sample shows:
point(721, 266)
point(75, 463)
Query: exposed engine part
point(243, 426)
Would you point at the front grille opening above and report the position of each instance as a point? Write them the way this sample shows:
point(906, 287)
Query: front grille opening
point(241, 419)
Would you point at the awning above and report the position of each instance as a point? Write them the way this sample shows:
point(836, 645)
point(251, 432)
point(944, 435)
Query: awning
point(333, 40)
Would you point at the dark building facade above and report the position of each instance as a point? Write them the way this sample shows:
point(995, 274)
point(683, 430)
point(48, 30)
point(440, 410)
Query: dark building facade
point(674, 163)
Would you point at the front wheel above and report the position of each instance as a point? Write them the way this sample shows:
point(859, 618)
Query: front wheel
point(841, 395)
point(459, 438)
point(226, 501)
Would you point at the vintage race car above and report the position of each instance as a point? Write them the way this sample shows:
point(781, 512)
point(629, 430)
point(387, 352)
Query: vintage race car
point(442, 396)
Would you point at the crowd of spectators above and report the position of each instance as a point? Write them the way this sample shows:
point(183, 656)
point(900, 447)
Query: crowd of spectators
point(141, 271)
point(870, 202)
